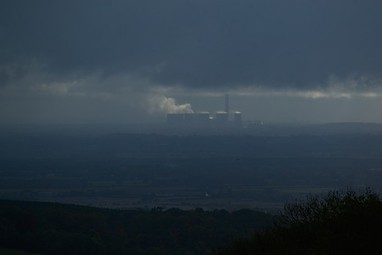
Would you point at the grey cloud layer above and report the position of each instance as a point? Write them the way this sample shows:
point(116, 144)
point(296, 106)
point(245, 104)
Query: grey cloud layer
point(214, 43)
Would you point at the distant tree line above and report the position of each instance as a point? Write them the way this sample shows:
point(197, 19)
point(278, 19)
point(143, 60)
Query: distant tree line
point(51, 228)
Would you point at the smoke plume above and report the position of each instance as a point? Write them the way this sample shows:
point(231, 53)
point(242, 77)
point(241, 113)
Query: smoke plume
point(169, 105)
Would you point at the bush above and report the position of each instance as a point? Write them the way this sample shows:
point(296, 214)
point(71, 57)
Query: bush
point(339, 223)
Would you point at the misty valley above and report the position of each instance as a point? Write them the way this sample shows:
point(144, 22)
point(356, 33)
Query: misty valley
point(191, 191)
point(186, 171)
point(180, 127)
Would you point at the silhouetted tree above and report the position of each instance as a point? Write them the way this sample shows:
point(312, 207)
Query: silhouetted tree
point(339, 223)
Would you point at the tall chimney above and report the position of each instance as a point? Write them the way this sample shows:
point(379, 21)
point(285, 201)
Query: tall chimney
point(227, 103)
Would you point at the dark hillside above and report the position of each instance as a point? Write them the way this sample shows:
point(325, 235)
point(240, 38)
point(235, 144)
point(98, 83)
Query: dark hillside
point(341, 223)
point(51, 228)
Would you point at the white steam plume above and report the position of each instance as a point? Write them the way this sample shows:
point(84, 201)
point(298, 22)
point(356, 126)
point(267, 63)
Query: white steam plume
point(168, 105)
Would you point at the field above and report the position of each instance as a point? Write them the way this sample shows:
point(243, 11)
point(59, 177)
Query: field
point(211, 171)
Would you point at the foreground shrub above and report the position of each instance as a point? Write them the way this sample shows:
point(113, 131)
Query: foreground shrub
point(339, 223)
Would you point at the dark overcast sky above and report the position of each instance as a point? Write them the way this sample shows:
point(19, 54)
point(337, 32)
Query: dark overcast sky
point(98, 50)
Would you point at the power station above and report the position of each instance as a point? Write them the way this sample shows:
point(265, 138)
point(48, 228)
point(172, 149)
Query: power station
point(224, 118)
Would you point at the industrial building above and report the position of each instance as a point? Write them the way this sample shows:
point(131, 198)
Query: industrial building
point(205, 119)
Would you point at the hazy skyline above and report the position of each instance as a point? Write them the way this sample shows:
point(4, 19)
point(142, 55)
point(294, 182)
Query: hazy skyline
point(120, 61)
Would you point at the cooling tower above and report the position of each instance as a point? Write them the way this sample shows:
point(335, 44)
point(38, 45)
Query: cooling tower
point(226, 103)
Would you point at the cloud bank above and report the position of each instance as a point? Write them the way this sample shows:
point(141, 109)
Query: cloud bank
point(276, 44)
point(134, 54)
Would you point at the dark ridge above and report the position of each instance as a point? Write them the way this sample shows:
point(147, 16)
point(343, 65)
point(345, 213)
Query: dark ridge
point(53, 228)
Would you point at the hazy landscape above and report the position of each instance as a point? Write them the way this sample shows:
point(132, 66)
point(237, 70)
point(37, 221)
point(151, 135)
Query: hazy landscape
point(190, 127)
point(211, 171)
point(214, 186)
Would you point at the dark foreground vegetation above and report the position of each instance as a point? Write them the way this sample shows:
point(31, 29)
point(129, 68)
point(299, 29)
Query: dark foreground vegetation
point(51, 228)
point(340, 223)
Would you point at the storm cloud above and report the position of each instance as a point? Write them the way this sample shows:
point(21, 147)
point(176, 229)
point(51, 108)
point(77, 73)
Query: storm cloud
point(273, 43)
point(136, 52)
